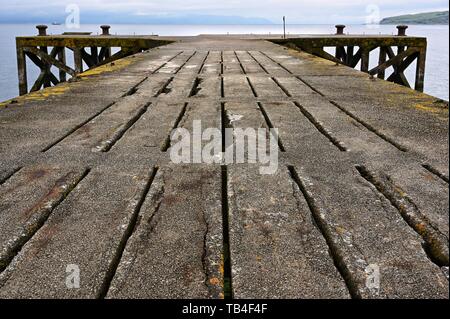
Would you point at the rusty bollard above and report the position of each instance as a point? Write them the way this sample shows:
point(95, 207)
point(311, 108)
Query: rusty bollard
point(402, 30)
point(42, 29)
point(340, 29)
point(105, 29)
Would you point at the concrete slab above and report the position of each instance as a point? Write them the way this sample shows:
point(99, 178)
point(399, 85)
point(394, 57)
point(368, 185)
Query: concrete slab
point(361, 188)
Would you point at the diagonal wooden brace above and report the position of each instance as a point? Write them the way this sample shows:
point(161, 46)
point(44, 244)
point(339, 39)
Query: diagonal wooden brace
point(50, 60)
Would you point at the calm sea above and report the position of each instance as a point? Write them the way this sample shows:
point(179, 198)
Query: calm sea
point(437, 73)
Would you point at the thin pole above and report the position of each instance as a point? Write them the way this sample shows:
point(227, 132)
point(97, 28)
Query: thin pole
point(284, 27)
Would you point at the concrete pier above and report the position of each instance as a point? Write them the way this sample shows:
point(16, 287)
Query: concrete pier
point(358, 208)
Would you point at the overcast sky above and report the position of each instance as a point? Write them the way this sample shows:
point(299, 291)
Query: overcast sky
point(298, 11)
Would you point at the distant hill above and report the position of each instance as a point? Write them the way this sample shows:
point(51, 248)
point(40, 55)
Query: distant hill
point(421, 18)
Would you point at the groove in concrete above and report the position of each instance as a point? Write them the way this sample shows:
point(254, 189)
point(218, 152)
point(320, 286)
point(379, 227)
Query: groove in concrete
point(130, 92)
point(371, 128)
point(164, 89)
point(281, 87)
point(166, 145)
point(360, 121)
point(164, 64)
point(62, 188)
point(134, 89)
point(106, 146)
point(126, 236)
point(205, 252)
point(203, 63)
point(240, 63)
point(276, 62)
point(310, 86)
point(186, 62)
point(252, 87)
point(270, 125)
point(9, 175)
point(227, 276)
point(320, 128)
point(436, 172)
point(195, 88)
point(323, 228)
point(259, 63)
point(73, 130)
point(222, 88)
point(436, 243)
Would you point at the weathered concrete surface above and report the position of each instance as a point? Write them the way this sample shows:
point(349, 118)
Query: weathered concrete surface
point(85, 230)
point(273, 236)
point(176, 250)
point(86, 179)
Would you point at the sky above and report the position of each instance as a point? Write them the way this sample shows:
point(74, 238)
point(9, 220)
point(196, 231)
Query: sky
point(297, 11)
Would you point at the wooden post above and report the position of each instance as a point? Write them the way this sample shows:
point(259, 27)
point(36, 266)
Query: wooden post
point(42, 32)
point(62, 59)
point(420, 70)
point(78, 59)
point(108, 53)
point(365, 56)
point(350, 54)
point(47, 67)
point(22, 70)
point(381, 60)
point(337, 55)
point(94, 54)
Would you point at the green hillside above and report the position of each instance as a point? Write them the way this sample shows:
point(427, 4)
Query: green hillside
point(421, 18)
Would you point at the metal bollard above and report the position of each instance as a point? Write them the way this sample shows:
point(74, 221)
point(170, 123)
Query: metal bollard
point(402, 30)
point(42, 29)
point(340, 29)
point(105, 29)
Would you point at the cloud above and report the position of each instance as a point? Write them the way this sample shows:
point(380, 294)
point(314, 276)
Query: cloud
point(298, 11)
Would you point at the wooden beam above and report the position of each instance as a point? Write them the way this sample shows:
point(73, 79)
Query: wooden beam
point(350, 53)
point(407, 62)
point(22, 70)
point(62, 59)
point(365, 56)
point(94, 54)
point(397, 61)
point(34, 58)
point(420, 69)
point(50, 60)
point(342, 54)
point(47, 82)
point(355, 59)
point(78, 60)
point(80, 41)
point(52, 78)
point(398, 76)
point(39, 82)
point(323, 54)
point(88, 59)
point(381, 60)
point(124, 52)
